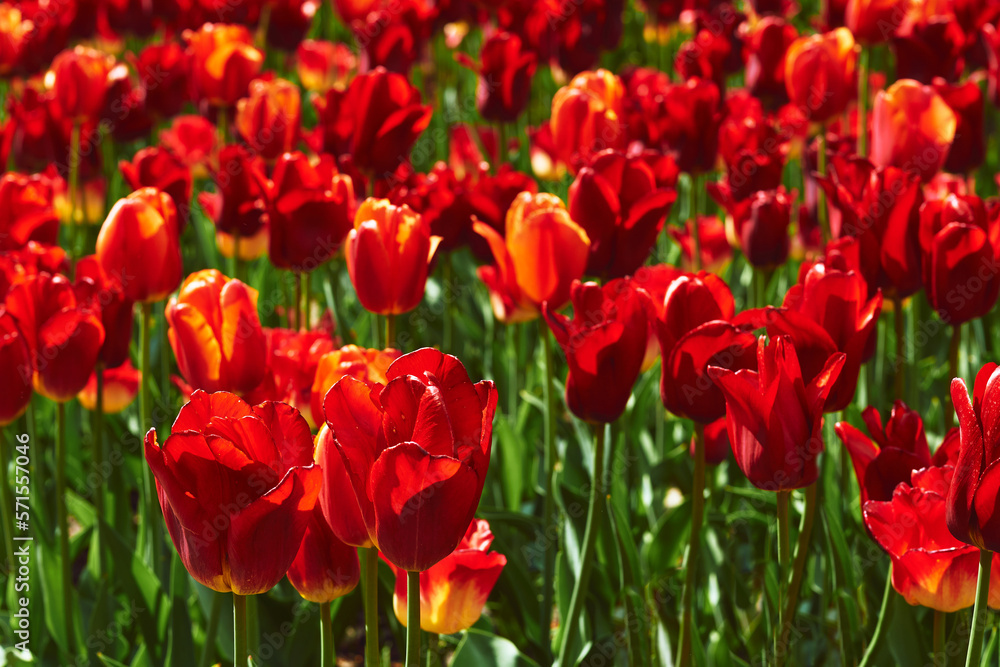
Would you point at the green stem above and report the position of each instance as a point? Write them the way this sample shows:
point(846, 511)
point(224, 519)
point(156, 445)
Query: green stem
point(297, 306)
point(447, 288)
point(253, 627)
point(305, 301)
point(240, 652)
point(326, 636)
point(821, 212)
point(899, 321)
point(433, 649)
point(939, 624)
point(152, 535)
point(7, 505)
point(221, 124)
point(412, 619)
point(98, 427)
point(783, 549)
point(953, 350)
point(62, 519)
point(863, 102)
point(550, 520)
point(208, 652)
point(694, 547)
point(882, 626)
point(371, 607)
point(695, 232)
point(595, 509)
point(798, 566)
point(74, 176)
point(390, 330)
point(972, 659)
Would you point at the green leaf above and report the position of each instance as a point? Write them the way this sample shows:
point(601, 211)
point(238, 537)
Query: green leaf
point(482, 649)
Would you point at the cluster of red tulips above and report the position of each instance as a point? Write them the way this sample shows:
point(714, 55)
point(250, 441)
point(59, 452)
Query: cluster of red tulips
point(779, 212)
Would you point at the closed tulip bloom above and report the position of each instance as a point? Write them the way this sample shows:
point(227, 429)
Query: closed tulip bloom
point(349, 361)
point(774, 418)
point(890, 455)
point(223, 62)
point(930, 567)
point(121, 386)
point(388, 253)
point(16, 366)
point(62, 332)
point(324, 65)
point(688, 301)
point(587, 117)
point(764, 234)
point(138, 244)
point(80, 82)
point(820, 74)
point(416, 451)
point(875, 21)
point(454, 592)
point(239, 206)
point(968, 148)
point(309, 213)
point(929, 49)
point(165, 75)
point(616, 201)
point(604, 344)
point(104, 294)
point(215, 333)
point(193, 140)
point(690, 129)
point(960, 273)
point(767, 48)
point(268, 119)
point(155, 167)
point(325, 568)
point(337, 500)
point(237, 486)
point(912, 128)
point(376, 121)
point(543, 253)
point(27, 212)
point(505, 71)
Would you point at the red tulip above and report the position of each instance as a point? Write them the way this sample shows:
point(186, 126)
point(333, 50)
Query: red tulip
point(416, 450)
point(26, 211)
point(717, 447)
point(324, 568)
point(289, 22)
point(505, 71)
point(138, 245)
point(715, 249)
point(337, 501)
point(192, 139)
point(541, 255)
point(15, 28)
point(764, 234)
point(293, 359)
point(165, 74)
point(395, 35)
point(767, 49)
point(968, 148)
point(690, 126)
point(237, 487)
point(353, 10)
point(32, 259)
point(929, 49)
point(357, 362)
point(35, 134)
point(63, 334)
point(215, 333)
point(104, 294)
point(223, 62)
point(324, 65)
point(616, 201)
point(388, 253)
point(376, 120)
point(268, 118)
point(16, 366)
point(704, 56)
point(891, 454)
point(239, 206)
point(875, 21)
point(121, 386)
point(454, 591)
point(929, 566)
point(960, 259)
point(310, 212)
point(80, 82)
point(154, 167)
point(820, 74)
point(912, 128)
point(774, 418)
point(604, 344)
point(125, 111)
point(587, 117)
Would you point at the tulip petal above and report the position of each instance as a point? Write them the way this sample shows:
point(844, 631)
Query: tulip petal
point(970, 462)
point(203, 405)
point(289, 431)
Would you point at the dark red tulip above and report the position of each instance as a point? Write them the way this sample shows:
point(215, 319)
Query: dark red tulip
point(690, 128)
point(774, 418)
point(704, 56)
point(310, 212)
point(165, 77)
point(104, 294)
point(324, 568)
point(767, 46)
point(289, 23)
point(376, 120)
point(930, 49)
point(890, 455)
point(505, 71)
point(223, 62)
point(237, 486)
point(416, 451)
point(604, 344)
point(26, 211)
point(820, 74)
point(239, 206)
point(959, 258)
point(875, 21)
point(395, 35)
point(972, 499)
point(16, 366)
point(968, 148)
point(63, 333)
point(32, 259)
point(717, 447)
point(80, 82)
point(616, 201)
point(138, 244)
point(687, 302)
point(155, 167)
point(764, 234)
point(268, 118)
point(125, 112)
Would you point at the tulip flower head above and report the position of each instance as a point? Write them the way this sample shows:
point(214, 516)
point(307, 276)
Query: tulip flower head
point(416, 451)
point(912, 128)
point(223, 62)
point(80, 82)
point(587, 117)
point(820, 74)
point(237, 486)
point(268, 119)
point(324, 568)
point(16, 366)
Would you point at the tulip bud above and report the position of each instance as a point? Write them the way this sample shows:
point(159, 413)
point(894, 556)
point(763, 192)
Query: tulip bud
point(80, 82)
point(912, 128)
point(587, 117)
point(820, 74)
point(223, 62)
point(268, 120)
